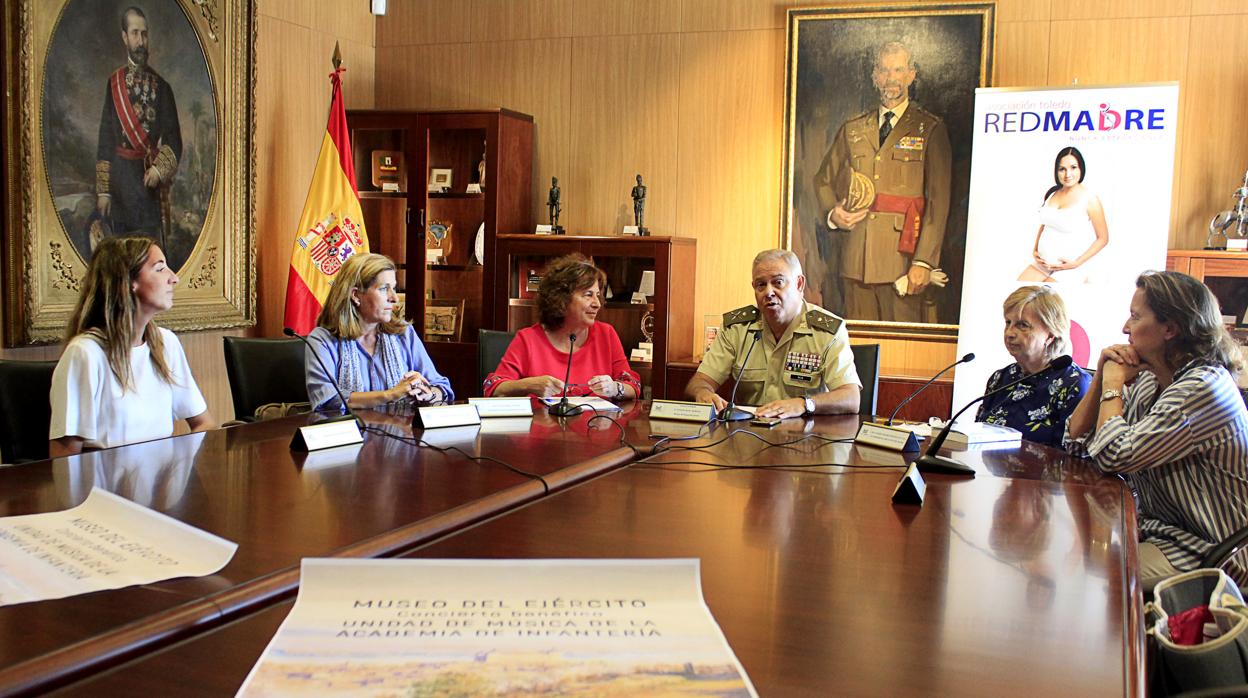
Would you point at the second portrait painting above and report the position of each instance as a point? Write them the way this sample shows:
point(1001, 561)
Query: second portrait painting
point(878, 114)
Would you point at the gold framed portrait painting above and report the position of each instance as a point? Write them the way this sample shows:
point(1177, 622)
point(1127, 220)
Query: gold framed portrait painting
point(128, 117)
point(877, 212)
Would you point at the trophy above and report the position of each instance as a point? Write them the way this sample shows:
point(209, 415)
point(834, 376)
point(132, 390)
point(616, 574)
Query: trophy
point(1220, 227)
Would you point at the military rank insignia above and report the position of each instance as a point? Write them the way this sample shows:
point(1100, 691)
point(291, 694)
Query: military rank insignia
point(746, 314)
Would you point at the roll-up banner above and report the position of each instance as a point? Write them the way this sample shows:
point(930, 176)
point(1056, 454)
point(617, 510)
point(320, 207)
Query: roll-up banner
point(1070, 188)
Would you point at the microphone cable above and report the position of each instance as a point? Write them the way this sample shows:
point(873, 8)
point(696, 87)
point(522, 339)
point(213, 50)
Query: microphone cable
point(456, 449)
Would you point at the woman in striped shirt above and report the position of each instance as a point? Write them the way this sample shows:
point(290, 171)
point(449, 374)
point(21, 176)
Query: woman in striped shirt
point(1164, 411)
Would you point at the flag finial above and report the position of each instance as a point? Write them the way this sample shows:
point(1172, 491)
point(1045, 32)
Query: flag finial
point(337, 60)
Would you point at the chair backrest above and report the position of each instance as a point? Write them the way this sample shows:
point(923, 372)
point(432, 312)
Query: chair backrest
point(25, 409)
point(263, 371)
point(867, 361)
point(491, 345)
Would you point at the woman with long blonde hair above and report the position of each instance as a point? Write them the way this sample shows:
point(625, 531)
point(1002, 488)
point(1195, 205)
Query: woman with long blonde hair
point(121, 378)
point(375, 354)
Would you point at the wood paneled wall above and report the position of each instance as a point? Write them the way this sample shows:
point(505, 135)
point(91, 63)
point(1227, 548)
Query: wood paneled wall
point(295, 43)
point(690, 94)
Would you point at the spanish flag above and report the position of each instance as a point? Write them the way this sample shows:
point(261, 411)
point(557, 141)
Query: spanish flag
point(331, 228)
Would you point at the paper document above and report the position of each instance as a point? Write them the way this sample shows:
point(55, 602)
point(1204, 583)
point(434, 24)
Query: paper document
point(104, 543)
point(498, 627)
point(588, 402)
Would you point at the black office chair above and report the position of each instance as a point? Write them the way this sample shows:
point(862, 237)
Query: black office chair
point(265, 372)
point(491, 345)
point(25, 410)
point(867, 361)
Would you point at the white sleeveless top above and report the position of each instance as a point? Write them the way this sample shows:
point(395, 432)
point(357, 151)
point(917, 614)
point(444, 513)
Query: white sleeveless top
point(1068, 233)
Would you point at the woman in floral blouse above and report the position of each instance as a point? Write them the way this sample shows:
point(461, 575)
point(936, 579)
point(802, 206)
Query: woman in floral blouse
point(1036, 327)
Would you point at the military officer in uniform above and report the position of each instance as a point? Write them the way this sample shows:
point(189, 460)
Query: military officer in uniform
point(140, 142)
point(885, 184)
point(800, 362)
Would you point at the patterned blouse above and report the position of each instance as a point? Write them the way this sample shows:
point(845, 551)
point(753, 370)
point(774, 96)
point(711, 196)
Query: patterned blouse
point(1037, 408)
point(1184, 452)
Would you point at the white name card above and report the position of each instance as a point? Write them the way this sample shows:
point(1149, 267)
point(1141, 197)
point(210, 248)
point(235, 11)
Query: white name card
point(631, 230)
point(502, 406)
point(327, 434)
point(544, 230)
point(473, 188)
point(445, 416)
point(680, 410)
point(884, 436)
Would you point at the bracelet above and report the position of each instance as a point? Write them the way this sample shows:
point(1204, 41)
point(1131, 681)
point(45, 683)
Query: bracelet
point(619, 390)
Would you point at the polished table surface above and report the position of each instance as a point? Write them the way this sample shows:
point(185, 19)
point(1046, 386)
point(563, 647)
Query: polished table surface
point(1019, 582)
point(246, 485)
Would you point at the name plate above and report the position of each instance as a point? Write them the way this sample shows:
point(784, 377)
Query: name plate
point(910, 488)
point(502, 406)
point(682, 411)
point(544, 230)
point(445, 416)
point(631, 230)
point(339, 432)
point(884, 436)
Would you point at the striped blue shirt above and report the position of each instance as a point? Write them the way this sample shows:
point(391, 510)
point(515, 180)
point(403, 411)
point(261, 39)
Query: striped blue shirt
point(1185, 455)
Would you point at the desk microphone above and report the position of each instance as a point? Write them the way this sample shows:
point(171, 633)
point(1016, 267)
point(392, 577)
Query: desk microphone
point(930, 462)
point(333, 380)
point(563, 408)
point(965, 359)
point(731, 413)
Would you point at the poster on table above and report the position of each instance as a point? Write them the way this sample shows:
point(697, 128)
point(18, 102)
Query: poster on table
point(106, 542)
point(495, 627)
point(1070, 188)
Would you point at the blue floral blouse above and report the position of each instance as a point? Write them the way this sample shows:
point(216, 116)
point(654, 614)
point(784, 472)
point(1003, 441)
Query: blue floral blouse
point(1037, 408)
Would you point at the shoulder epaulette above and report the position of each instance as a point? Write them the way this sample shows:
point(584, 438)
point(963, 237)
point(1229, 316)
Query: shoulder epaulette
point(820, 320)
point(745, 314)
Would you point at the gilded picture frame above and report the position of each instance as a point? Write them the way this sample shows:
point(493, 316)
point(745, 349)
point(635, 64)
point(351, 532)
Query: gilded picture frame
point(831, 95)
point(66, 58)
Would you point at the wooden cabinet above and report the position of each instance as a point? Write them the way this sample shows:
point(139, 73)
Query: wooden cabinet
point(668, 315)
point(1226, 274)
point(462, 142)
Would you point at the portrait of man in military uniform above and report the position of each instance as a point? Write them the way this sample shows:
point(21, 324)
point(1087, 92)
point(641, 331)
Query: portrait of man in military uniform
point(877, 168)
point(130, 137)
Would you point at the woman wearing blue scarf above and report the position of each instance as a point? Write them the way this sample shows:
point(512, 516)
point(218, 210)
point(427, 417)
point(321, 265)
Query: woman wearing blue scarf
point(376, 356)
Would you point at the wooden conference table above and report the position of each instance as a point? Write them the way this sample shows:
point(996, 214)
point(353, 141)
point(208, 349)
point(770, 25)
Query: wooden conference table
point(245, 484)
point(1020, 581)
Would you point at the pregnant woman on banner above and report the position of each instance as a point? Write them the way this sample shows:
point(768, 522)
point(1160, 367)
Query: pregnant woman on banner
point(1072, 225)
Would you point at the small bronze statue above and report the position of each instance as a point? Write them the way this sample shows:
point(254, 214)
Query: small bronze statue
point(639, 207)
point(555, 206)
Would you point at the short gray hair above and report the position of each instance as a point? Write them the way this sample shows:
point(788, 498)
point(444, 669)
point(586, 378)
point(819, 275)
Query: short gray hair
point(895, 47)
point(785, 256)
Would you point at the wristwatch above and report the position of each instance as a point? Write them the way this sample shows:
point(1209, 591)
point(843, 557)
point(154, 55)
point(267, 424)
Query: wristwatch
point(1110, 395)
point(810, 405)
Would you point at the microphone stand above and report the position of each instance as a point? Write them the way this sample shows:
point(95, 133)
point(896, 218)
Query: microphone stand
point(965, 359)
point(731, 413)
point(347, 413)
point(929, 462)
point(563, 408)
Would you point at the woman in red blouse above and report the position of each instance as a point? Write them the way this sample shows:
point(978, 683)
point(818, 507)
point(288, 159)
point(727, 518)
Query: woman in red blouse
point(568, 301)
